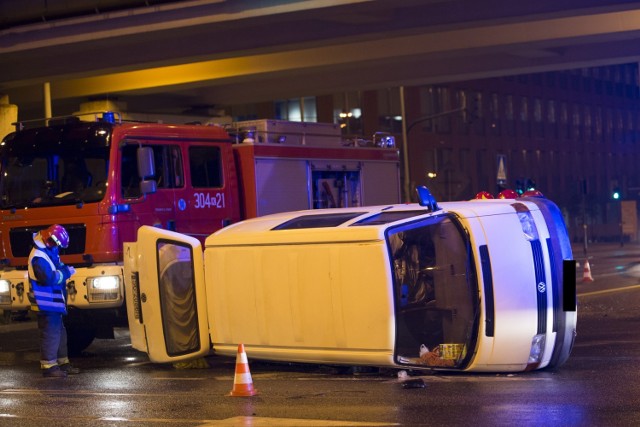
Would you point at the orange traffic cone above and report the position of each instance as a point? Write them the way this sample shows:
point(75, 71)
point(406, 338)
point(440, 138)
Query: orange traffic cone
point(586, 276)
point(242, 382)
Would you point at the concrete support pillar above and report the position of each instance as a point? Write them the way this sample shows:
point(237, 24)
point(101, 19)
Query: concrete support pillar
point(46, 93)
point(370, 113)
point(266, 110)
point(405, 150)
point(324, 108)
point(8, 115)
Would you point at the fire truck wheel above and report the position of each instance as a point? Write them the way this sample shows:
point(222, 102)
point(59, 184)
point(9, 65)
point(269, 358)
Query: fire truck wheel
point(78, 340)
point(80, 332)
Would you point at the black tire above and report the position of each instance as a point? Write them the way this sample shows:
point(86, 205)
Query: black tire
point(80, 331)
point(78, 339)
point(83, 326)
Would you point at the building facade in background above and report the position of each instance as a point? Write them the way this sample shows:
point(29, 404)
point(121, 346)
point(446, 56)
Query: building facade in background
point(573, 135)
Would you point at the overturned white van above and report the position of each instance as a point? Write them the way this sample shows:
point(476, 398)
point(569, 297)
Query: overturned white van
point(480, 285)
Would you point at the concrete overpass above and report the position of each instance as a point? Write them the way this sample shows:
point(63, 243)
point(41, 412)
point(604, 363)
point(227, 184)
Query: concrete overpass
point(160, 54)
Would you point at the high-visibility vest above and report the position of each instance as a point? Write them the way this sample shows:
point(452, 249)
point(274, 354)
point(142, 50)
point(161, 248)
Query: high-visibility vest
point(46, 297)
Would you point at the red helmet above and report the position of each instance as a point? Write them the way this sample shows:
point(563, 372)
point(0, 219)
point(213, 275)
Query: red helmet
point(55, 235)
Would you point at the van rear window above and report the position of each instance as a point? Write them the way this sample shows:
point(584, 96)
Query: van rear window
point(388, 216)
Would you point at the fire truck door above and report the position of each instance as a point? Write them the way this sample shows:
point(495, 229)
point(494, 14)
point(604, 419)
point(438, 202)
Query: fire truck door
point(166, 299)
point(204, 204)
point(157, 208)
point(169, 177)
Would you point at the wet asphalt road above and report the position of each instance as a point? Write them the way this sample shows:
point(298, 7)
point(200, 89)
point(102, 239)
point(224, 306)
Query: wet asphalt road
point(598, 386)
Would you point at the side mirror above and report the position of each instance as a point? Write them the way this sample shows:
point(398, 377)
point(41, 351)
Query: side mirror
point(146, 169)
point(146, 165)
point(148, 186)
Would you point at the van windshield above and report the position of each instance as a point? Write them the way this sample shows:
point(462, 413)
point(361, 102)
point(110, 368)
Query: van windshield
point(436, 293)
point(54, 166)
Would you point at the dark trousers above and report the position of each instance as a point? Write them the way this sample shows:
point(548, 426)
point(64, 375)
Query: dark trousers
point(53, 340)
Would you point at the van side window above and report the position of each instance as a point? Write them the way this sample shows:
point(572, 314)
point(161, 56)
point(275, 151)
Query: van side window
point(206, 167)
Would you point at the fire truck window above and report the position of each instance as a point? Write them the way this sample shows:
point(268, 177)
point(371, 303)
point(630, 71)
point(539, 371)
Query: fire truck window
point(160, 168)
point(129, 173)
point(98, 170)
point(75, 176)
point(168, 169)
point(24, 180)
point(206, 167)
point(175, 166)
point(168, 163)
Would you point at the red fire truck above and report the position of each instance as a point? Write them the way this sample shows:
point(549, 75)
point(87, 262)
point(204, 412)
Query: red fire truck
point(104, 179)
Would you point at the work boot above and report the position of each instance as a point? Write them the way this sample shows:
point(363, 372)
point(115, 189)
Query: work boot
point(54, 372)
point(69, 369)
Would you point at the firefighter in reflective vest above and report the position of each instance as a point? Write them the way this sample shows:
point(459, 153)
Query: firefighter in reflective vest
point(47, 295)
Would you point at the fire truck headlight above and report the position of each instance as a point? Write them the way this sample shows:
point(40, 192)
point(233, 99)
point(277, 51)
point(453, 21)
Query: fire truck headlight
point(103, 288)
point(5, 292)
point(537, 349)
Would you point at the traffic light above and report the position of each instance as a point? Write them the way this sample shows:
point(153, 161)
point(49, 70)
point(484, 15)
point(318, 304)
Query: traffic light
point(525, 184)
point(472, 108)
point(531, 185)
point(477, 106)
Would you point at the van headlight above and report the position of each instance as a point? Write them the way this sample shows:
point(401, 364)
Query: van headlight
point(103, 288)
point(528, 225)
point(5, 292)
point(537, 349)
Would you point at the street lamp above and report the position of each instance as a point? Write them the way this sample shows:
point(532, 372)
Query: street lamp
point(617, 196)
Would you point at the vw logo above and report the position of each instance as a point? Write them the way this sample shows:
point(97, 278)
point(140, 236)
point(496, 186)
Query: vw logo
point(542, 287)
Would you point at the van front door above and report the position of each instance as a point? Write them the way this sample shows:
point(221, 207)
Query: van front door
point(437, 303)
